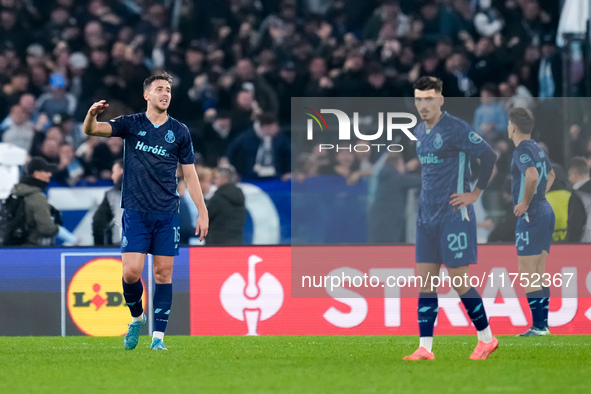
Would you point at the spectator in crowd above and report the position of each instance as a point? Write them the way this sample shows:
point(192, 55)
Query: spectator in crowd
point(344, 164)
point(579, 205)
point(504, 230)
point(287, 85)
point(58, 100)
point(27, 103)
point(577, 139)
point(50, 150)
point(69, 170)
point(42, 219)
point(106, 221)
point(78, 62)
point(487, 21)
point(547, 71)
point(309, 164)
point(12, 92)
point(514, 94)
point(244, 110)
point(364, 162)
point(245, 78)
point(456, 81)
point(104, 156)
point(71, 131)
point(387, 211)
point(20, 130)
point(263, 152)
point(227, 210)
point(316, 81)
point(490, 118)
point(559, 196)
point(217, 136)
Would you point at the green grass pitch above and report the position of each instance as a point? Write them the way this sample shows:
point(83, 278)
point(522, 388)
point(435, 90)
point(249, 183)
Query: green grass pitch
point(295, 364)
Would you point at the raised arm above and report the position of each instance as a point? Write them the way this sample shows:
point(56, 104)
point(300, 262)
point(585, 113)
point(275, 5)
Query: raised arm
point(91, 126)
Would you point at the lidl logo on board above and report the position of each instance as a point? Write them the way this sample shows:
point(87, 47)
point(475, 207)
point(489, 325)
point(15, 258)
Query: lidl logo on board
point(95, 298)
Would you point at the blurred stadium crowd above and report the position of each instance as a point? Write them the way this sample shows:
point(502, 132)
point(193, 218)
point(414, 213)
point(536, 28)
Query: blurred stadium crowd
point(237, 63)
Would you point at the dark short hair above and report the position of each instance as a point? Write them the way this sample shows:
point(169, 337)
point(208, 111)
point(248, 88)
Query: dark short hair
point(267, 118)
point(428, 83)
point(523, 119)
point(164, 76)
point(579, 165)
point(229, 172)
point(491, 88)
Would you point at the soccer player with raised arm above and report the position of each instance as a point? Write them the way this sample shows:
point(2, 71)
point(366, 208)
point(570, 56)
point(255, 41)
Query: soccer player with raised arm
point(446, 224)
point(154, 145)
point(531, 178)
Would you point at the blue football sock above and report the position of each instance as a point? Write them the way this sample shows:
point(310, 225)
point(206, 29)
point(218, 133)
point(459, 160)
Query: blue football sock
point(536, 305)
point(428, 308)
point(546, 304)
point(475, 308)
point(132, 292)
point(162, 303)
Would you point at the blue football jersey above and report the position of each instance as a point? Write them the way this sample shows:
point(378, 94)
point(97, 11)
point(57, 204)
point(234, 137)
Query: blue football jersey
point(445, 152)
point(529, 154)
point(151, 155)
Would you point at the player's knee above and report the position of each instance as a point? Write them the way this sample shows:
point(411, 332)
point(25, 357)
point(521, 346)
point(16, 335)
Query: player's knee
point(131, 274)
point(163, 275)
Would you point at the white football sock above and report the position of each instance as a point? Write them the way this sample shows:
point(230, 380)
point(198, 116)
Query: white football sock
point(427, 343)
point(139, 318)
point(485, 335)
point(158, 334)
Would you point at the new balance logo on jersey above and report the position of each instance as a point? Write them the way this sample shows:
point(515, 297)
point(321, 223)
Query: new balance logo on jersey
point(157, 150)
point(430, 159)
point(141, 133)
point(459, 255)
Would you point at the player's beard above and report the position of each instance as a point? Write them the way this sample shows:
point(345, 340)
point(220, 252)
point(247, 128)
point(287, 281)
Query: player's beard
point(161, 107)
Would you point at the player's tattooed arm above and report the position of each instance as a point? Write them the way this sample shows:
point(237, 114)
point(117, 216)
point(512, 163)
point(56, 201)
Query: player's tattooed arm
point(91, 126)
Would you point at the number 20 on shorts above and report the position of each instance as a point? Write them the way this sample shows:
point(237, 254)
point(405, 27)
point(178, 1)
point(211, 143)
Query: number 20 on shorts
point(457, 241)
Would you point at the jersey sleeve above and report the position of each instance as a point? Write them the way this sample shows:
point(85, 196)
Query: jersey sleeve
point(186, 153)
point(119, 126)
point(467, 140)
point(524, 159)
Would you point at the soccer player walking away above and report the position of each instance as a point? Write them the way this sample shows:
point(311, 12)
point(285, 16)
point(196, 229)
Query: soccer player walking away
point(154, 144)
point(446, 224)
point(531, 178)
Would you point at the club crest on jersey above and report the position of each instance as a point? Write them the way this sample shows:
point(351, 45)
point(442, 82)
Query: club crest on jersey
point(169, 137)
point(438, 143)
point(475, 138)
point(524, 158)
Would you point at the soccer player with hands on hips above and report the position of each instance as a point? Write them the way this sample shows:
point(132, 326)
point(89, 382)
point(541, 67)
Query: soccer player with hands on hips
point(531, 178)
point(154, 145)
point(446, 223)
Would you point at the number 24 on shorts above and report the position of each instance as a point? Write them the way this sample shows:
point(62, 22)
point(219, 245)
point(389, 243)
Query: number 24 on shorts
point(522, 237)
